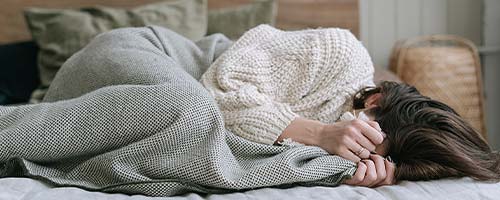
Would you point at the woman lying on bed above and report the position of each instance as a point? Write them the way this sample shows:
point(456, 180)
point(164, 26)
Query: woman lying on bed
point(273, 86)
point(127, 114)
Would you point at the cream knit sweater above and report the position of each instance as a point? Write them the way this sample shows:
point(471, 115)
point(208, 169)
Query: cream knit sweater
point(269, 77)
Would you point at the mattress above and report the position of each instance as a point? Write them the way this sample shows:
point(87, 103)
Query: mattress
point(464, 188)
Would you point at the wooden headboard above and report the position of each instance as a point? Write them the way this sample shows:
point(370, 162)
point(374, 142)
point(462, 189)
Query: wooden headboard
point(292, 14)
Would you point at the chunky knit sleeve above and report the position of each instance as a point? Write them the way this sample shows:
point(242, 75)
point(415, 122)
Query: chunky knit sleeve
point(249, 112)
point(269, 77)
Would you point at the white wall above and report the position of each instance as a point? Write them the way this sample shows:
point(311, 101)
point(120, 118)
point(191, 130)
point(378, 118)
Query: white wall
point(491, 66)
point(383, 22)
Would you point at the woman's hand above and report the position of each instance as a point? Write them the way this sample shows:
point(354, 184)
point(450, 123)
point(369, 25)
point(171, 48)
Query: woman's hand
point(373, 172)
point(352, 140)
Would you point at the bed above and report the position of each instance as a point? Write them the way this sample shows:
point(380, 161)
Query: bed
point(463, 188)
point(456, 189)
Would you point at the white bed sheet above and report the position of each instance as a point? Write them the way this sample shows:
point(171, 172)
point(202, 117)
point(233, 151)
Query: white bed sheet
point(456, 189)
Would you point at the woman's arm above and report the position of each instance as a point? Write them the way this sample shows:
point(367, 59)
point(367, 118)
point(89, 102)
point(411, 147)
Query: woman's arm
point(268, 75)
point(344, 138)
point(303, 130)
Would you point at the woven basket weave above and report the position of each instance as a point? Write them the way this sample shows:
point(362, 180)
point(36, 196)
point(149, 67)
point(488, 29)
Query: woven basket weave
point(445, 68)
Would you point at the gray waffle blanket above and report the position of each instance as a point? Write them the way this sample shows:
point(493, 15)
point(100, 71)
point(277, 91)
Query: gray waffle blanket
point(127, 114)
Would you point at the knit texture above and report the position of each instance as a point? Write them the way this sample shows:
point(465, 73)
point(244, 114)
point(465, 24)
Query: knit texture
point(127, 114)
point(269, 77)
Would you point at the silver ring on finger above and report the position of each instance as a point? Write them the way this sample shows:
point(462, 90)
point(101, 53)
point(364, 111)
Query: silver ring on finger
point(360, 151)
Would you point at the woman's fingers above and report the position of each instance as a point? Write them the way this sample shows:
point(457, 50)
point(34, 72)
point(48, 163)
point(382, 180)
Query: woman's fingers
point(371, 173)
point(375, 125)
point(349, 155)
point(358, 176)
point(360, 151)
point(365, 142)
point(352, 140)
point(380, 168)
point(390, 169)
point(368, 131)
point(355, 132)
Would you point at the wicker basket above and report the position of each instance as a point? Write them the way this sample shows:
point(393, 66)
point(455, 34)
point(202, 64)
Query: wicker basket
point(445, 68)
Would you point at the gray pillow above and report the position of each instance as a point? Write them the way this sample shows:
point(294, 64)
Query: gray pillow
point(234, 21)
point(62, 32)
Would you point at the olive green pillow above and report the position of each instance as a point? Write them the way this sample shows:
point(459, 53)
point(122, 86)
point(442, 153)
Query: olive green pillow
point(234, 21)
point(60, 33)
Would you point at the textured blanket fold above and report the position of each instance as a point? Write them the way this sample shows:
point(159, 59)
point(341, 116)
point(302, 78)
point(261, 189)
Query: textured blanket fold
point(127, 114)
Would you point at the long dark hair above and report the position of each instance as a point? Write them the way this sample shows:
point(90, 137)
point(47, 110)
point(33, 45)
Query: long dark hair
point(428, 139)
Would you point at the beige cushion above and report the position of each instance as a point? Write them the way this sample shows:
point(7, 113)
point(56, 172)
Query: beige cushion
point(234, 21)
point(62, 32)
